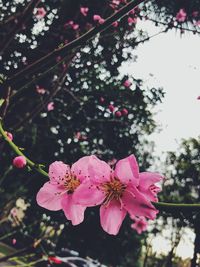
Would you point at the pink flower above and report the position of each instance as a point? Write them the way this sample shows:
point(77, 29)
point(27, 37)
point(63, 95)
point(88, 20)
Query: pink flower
point(115, 24)
point(40, 90)
point(19, 162)
point(181, 15)
point(118, 114)
point(41, 13)
point(14, 241)
point(98, 19)
point(58, 193)
point(117, 192)
point(111, 108)
point(132, 20)
point(140, 224)
point(127, 83)
point(9, 135)
point(75, 26)
point(84, 11)
point(124, 111)
point(50, 106)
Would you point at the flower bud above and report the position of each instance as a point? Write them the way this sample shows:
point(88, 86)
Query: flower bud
point(19, 162)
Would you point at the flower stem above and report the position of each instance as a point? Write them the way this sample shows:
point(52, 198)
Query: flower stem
point(15, 148)
point(176, 206)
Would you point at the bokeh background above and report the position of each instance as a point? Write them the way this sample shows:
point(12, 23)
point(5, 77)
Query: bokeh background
point(62, 111)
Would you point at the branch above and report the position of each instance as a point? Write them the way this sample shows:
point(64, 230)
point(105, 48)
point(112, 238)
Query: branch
point(15, 148)
point(62, 51)
point(164, 206)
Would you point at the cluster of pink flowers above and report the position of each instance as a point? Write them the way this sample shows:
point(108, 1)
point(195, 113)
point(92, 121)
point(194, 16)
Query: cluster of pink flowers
point(118, 113)
point(92, 182)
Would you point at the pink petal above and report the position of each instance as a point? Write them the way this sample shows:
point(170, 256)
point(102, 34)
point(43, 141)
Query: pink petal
point(57, 172)
point(80, 168)
point(127, 170)
point(50, 196)
point(147, 187)
point(112, 217)
point(99, 171)
point(149, 178)
point(88, 195)
point(73, 212)
point(137, 205)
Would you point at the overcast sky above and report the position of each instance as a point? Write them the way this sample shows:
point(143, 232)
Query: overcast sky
point(174, 61)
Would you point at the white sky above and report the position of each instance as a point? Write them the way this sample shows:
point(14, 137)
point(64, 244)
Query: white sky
point(174, 61)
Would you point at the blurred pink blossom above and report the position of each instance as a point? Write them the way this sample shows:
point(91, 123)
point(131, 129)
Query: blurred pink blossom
point(41, 13)
point(181, 15)
point(140, 224)
point(50, 106)
point(84, 11)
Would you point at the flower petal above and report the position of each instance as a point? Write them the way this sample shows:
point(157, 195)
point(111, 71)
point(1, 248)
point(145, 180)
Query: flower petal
point(88, 194)
point(112, 217)
point(149, 178)
point(73, 212)
point(80, 168)
point(147, 187)
point(99, 170)
point(137, 205)
point(127, 170)
point(50, 196)
point(57, 172)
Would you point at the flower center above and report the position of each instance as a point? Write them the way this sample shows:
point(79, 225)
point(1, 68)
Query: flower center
point(113, 189)
point(71, 183)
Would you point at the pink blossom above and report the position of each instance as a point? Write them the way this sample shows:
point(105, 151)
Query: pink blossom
point(181, 15)
point(40, 90)
point(19, 162)
point(50, 106)
point(118, 192)
point(140, 224)
point(14, 241)
point(111, 108)
point(127, 83)
point(41, 13)
point(9, 135)
point(118, 114)
point(84, 11)
point(124, 111)
point(58, 193)
point(132, 20)
point(75, 26)
point(115, 23)
point(98, 19)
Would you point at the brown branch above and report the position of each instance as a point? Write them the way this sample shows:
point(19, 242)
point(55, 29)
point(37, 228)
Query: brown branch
point(62, 51)
point(42, 105)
